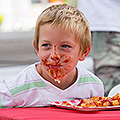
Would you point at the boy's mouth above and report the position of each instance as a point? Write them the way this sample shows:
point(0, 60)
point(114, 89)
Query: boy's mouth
point(55, 66)
point(55, 69)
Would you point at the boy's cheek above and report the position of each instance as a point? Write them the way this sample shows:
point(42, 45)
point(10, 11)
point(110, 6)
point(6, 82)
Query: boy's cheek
point(38, 54)
point(42, 55)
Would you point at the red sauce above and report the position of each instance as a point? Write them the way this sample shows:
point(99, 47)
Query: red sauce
point(81, 101)
point(107, 100)
point(55, 68)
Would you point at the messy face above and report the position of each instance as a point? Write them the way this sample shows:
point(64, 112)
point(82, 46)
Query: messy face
point(58, 51)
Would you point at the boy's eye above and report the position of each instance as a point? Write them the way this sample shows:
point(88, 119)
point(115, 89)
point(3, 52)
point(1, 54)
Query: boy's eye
point(66, 46)
point(45, 45)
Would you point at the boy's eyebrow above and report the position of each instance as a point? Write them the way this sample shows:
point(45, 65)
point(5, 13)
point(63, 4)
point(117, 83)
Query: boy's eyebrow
point(67, 41)
point(44, 40)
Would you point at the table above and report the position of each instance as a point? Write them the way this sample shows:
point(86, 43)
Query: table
point(54, 113)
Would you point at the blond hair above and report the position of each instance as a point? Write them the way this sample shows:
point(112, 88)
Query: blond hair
point(68, 18)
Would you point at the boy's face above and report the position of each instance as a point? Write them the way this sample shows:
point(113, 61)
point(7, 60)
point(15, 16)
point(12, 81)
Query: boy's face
point(58, 51)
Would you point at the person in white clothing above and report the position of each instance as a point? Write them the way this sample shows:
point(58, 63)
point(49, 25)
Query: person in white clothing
point(104, 19)
point(62, 38)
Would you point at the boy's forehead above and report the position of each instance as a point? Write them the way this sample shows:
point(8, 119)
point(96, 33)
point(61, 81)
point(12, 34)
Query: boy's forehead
point(60, 27)
point(69, 31)
point(48, 27)
point(48, 31)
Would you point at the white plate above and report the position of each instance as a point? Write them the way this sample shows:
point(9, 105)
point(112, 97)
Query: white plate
point(75, 107)
point(114, 90)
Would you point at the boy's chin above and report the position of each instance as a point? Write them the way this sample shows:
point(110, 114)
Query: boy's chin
point(59, 79)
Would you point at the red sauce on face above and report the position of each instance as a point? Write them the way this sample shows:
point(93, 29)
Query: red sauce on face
point(66, 60)
point(54, 55)
point(55, 68)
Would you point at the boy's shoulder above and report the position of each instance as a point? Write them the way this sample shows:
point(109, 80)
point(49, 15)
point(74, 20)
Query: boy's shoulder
point(87, 76)
point(31, 68)
point(27, 75)
point(30, 71)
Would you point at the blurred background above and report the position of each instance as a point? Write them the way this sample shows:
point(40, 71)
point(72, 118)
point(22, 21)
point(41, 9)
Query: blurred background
point(17, 22)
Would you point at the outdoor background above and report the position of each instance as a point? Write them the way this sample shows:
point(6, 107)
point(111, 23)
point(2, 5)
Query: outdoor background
point(17, 22)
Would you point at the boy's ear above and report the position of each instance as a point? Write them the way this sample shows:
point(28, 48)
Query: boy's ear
point(35, 49)
point(85, 53)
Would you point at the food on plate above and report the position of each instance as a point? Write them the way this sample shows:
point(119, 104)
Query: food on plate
point(66, 103)
point(96, 101)
point(100, 101)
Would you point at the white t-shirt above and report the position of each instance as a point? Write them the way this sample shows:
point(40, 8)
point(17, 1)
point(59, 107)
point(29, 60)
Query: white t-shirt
point(103, 15)
point(29, 89)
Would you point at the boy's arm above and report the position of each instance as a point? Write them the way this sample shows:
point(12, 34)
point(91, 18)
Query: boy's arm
point(6, 98)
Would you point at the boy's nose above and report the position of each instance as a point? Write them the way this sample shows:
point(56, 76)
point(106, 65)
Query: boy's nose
point(54, 54)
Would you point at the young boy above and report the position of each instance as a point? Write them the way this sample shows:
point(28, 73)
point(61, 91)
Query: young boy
point(62, 38)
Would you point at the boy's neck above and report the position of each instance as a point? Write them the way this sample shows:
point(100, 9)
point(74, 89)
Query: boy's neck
point(65, 82)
